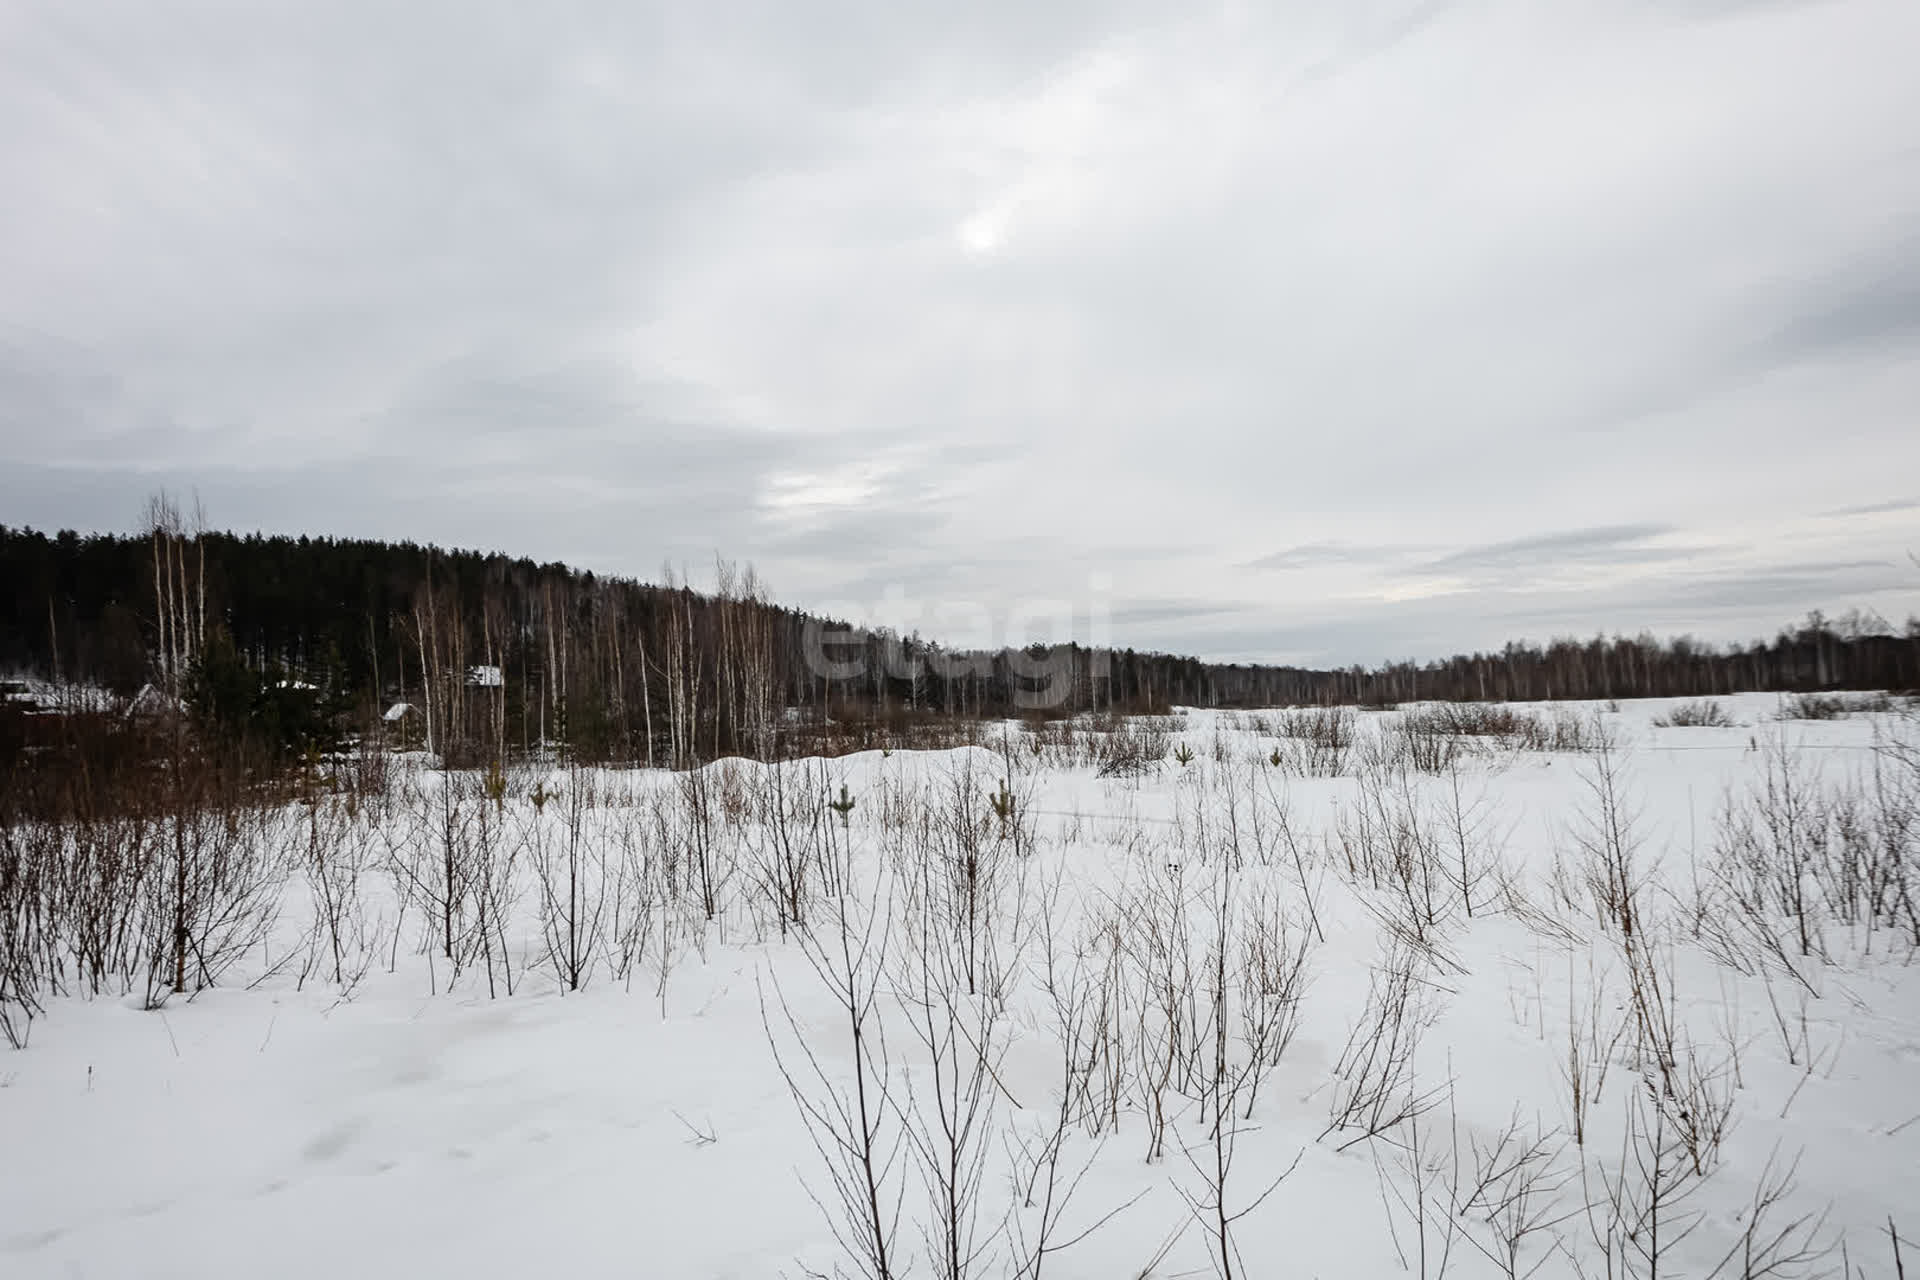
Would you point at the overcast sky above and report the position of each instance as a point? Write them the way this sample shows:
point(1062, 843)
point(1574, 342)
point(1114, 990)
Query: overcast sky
point(1327, 331)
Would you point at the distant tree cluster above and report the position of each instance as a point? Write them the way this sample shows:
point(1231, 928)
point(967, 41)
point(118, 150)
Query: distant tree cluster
point(482, 657)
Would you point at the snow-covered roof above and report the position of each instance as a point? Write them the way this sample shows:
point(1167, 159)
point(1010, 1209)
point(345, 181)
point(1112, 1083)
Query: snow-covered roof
point(397, 711)
point(152, 700)
point(44, 695)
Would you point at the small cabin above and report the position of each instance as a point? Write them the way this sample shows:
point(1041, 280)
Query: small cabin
point(153, 703)
point(402, 725)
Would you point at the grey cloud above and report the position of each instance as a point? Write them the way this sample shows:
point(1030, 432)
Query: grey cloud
point(1728, 606)
point(471, 397)
point(1734, 604)
point(1136, 612)
point(1367, 638)
point(1099, 286)
point(1712, 10)
point(1873, 303)
point(1790, 588)
point(1609, 544)
point(1144, 551)
point(1317, 555)
point(610, 526)
point(44, 381)
point(859, 537)
point(1874, 508)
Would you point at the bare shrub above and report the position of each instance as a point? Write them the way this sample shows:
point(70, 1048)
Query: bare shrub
point(1429, 745)
point(1693, 1090)
point(1643, 1209)
point(855, 1125)
point(23, 926)
point(696, 819)
point(1374, 1087)
point(429, 856)
point(1156, 934)
point(641, 884)
point(1112, 746)
point(787, 839)
point(1593, 1038)
point(1475, 719)
point(1391, 840)
point(1423, 1184)
point(1427, 730)
point(494, 877)
point(1773, 850)
point(571, 878)
point(951, 1095)
point(1561, 730)
point(1880, 880)
point(1080, 990)
point(94, 873)
point(1321, 739)
point(1247, 977)
point(958, 875)
point(1607, 835)
point(1466, 818)
point(217, 898)
point(1703, 714)
point(343, 942)
point(1273, 983)
point(1832, 706)
point(451, 852)
point(1773, 1245)
point(1514, 1193)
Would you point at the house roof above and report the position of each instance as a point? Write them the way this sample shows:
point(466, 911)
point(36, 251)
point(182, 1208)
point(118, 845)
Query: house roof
point(152, 700)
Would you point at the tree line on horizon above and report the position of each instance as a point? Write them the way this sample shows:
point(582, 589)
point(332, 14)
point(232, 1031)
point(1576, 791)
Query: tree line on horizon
point(304, 640)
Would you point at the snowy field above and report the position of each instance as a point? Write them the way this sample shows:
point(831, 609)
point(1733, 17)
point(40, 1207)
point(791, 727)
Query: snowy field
point(1540, 991)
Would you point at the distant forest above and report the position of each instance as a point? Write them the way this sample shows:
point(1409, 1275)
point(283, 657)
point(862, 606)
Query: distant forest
point(483, 657)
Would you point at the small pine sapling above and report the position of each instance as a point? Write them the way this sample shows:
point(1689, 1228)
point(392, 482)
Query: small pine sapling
point(1184, 754)
point(1003, 806)
point(843, 806)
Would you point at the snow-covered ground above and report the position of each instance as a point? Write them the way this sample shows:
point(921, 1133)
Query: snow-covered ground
point(1221, 933)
